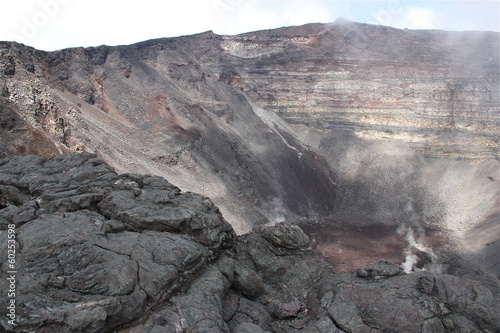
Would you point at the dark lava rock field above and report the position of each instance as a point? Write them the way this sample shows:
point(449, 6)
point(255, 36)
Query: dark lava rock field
point(102, 252)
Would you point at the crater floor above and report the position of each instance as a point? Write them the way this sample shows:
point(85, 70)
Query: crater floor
point(346, 247)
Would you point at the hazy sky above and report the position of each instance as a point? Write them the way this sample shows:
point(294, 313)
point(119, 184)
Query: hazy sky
point(57, 24)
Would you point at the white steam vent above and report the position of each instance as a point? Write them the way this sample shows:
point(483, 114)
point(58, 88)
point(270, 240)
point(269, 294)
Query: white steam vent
point(276, 212)
point(417, 251)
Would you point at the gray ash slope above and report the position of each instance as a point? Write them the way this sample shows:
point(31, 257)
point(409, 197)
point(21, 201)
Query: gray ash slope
point(102, 252)
point(152, 107)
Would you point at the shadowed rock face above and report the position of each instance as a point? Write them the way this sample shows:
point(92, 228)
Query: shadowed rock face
point(101, 252)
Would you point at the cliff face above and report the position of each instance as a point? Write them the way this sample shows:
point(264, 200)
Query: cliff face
point(436, 90)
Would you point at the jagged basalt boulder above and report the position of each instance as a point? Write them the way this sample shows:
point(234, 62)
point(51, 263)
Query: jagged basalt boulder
point(286, 235)
point(95, 249)
point(379, 270)
point(285, 309)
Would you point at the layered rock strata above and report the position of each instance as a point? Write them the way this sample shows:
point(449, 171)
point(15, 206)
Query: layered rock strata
point(439, 91)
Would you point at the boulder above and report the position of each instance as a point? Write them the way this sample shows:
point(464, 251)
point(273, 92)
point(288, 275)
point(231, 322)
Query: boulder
point(283, 309)
point(379, 270)
point(286, 235)
point(96, 249)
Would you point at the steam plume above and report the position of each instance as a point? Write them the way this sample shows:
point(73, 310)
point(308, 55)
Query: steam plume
point(416, 243)
point(276, 213)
